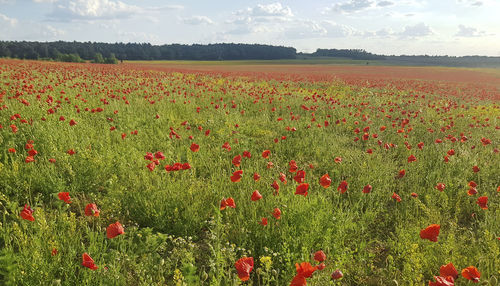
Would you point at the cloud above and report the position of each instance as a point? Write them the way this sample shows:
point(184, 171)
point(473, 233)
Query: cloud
point(50, 32)
point(89, 10)
point(468, 32)
point(7, 20)
point(45, 1)
point(197, 20)
point(382, 33)
point(274, 12)
point(385, 3)
point(350, 6)
point(416, 31)
point(475, 3)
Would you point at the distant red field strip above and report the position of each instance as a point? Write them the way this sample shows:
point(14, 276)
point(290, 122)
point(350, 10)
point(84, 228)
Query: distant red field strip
point(482, 83)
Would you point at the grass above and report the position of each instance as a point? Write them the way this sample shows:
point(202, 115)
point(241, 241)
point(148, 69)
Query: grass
point(175, 233)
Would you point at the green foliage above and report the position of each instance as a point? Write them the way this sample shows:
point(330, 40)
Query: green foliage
point(175, 232)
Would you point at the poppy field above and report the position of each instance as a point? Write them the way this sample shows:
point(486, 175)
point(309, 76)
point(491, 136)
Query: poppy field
point(150, 174)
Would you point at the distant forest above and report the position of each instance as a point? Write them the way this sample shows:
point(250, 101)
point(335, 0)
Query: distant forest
point(133, 51)
point(113, 53)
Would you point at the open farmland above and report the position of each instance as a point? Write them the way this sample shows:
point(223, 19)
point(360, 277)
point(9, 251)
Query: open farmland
point(391, 171)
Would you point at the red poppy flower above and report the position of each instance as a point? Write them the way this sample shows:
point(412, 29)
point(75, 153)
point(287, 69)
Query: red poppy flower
point(420, 145)
point(237, 160)
point(300, 176)
point(472, 184)
point(263, 221)
point(302, 189)
point(293, 166)
point(151, 166)
point(244, 266)
point(236, 177)
point(29, 159)
point(71, 152)
point(225, 146)
point(412, 158)
point(305, 269)
point(247, 154)
point(337, 274)
point(396, 197)
point(277, 213)
point(298, 280)
point(321, 266)
point(472, 191)
point(471, 273)
point(266, 153)
point(475, 169)
point(342, 188)
point(91, 210)
point(270, 165)
point(367, 189)
point(431, 232)
point(482, 201)
point(195, 147)
point(159, 155)
point(256, 177)
point(319, 256)
point(275, 186)
point(88, 262)
point(440, 186)
point(52, 160)
point(401, 173)
point(54, 252)
point(498, 189)
point(256, 196)
point(72, 122)
point(114, 230)
point(451, 152)
point(325, 181)
point(442, 281)
point(27, 213)
point(12, 150)
point(448, 270)
point(337, 160)
point(446, 159)
point(283, 178)
point(13, 128)
point(229, 202)
point(64, 196)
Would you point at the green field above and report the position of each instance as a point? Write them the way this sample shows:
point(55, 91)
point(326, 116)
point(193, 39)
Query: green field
point(175, 231)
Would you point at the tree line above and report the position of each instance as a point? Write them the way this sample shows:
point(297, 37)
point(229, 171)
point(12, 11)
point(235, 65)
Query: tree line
point(113, 53)
point(99, 52)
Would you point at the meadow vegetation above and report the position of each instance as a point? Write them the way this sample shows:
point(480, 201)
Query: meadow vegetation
point(111, 135)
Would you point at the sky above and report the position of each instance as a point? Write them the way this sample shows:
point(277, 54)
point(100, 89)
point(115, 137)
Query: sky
point(390, 27)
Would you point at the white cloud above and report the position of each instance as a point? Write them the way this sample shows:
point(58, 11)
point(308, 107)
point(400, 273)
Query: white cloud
point(274, 12)
point(51, 32)
point(88, 10)
point(305, 29)
point(45, 1)
point(197, 20)
point(7, 20)
point(385, 3)
point(468, 32)
point(416, 31)
point(350, 6)
point(475, 3)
